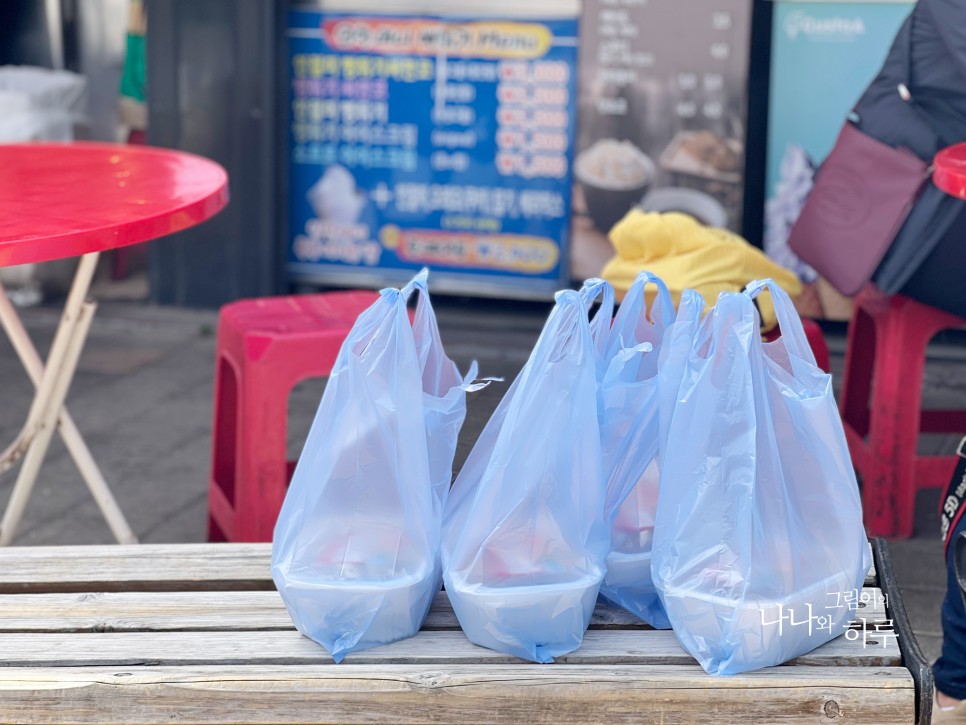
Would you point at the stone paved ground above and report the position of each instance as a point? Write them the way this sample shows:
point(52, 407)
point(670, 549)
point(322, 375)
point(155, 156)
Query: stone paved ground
point(142, 399)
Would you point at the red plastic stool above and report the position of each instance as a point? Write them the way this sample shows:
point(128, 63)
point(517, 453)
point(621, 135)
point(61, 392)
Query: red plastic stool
point(265, 348)
point(886, 356)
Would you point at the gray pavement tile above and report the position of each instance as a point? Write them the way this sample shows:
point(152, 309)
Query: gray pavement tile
point(927, 515)
point(118, 359)
point(187, 524)
point(931, 646)
point(923, 608)
point(152, 433)
point(920, 569)
point(57, 511)
point(78, 523)
point(154, 498)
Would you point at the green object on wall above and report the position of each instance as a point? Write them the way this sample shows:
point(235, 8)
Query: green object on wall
point(134, 73)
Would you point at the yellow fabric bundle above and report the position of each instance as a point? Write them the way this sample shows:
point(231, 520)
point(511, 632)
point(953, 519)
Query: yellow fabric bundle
point(688, 255)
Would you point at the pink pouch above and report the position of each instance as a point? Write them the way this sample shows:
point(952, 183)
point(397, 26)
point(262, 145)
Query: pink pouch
point(862, 195)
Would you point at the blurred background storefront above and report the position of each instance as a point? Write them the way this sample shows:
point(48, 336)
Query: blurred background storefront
point(823, 55)
point(364, 141)
point(84, 36)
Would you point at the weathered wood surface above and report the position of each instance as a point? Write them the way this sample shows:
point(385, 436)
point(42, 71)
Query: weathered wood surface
point(249, 610)
point(455, 693)
point(194, 633)
point(600, 647)
point(147, 567)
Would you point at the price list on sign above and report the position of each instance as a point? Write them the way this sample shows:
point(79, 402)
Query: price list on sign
point(663, 107)
point(431, 141)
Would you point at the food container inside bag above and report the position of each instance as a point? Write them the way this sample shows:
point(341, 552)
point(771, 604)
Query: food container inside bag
point(320, 605)
point(355, 555)
point(633, 527)
point(524, 537)
point(758, 537)
point(629, 561)
point(360, 580)
point(559, 611)
point(630, 433)
point(525, 595)
point(734, 629)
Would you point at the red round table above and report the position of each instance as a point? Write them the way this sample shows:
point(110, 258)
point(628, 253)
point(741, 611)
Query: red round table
point(949, 170)
point(77, 200)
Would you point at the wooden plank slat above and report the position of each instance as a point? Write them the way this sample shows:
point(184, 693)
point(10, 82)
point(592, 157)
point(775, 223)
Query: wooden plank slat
point(145, 567)
point(457, 693)
point(642, 647)
point(253, 610)
point(143, 611)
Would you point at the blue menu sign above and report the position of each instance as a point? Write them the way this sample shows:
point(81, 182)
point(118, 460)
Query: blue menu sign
point(434, 141)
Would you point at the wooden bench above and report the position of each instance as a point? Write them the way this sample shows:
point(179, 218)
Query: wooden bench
point(195, 633)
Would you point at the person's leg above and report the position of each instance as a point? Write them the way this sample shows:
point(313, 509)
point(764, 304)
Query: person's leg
point(950, 669)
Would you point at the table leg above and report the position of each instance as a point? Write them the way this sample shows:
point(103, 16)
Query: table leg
point(55, 362)
point(47, 410)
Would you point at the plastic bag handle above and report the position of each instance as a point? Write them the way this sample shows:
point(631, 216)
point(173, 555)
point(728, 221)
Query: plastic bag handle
point(600, 323)
point(425, 329)
point(568, 315)
point(677, 346)
point(419, 283)
point(789, 323)
point(594, 288)
point(663, 303)
point(691, 307)
point(690, 329)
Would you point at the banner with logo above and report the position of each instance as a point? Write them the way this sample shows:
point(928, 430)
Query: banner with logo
point(428, 140)
point(824, 55)
point(662, 115)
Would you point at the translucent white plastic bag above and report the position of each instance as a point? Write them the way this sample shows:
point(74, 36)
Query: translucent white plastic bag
point(758, 534)
point(39, 104)
point(460, 501)
point(630, 432)
point(601, 321)
point(524, 540)
point(355, 551)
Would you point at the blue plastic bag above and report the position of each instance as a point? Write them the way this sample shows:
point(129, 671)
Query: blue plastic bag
point(524, 539)
point(461, 495)
point(601, 321)
point(758, 537)
point(630, 432)
point(355, 551)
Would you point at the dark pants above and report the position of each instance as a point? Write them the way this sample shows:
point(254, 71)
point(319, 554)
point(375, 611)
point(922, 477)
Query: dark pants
point(950, 668)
